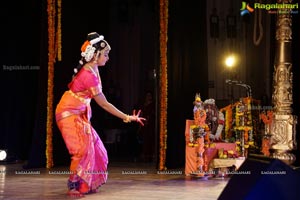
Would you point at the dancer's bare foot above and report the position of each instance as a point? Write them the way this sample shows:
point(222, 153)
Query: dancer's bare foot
point(83, 187)
point(75, 194)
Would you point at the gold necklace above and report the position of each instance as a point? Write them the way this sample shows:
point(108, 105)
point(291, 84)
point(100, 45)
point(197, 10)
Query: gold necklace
point(95, 73)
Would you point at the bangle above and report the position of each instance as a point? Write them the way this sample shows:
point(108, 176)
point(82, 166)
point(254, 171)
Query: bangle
point(127, 119)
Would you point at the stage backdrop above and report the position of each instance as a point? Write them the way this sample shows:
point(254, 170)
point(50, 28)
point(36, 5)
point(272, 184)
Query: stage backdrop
point(132, 28)
point(187, 69)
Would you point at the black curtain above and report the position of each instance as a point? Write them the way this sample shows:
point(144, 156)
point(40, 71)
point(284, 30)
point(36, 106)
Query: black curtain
point(187, 71)
point(20, 62)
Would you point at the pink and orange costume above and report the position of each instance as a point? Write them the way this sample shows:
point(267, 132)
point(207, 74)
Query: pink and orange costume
point(88, 155)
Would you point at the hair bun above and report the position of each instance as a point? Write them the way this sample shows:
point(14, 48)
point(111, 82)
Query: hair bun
point(92, 36)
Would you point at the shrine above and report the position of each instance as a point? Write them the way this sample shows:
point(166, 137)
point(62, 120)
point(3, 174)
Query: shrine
point(219, 140)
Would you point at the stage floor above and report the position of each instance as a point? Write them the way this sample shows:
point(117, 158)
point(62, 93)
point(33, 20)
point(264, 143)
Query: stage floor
point(126, 181)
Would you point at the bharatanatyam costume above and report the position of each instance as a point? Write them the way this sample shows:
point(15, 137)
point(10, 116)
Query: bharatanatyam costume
point(89, 157)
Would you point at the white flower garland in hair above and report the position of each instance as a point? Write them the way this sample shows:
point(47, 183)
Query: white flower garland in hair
point(88, 53)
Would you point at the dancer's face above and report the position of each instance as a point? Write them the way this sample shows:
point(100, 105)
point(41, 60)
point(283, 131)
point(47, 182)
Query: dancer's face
point(102, 58)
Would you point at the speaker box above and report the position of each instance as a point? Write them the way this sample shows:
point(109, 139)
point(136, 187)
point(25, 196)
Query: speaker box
point(263, 179)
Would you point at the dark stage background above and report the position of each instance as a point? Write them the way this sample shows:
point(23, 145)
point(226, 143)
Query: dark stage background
point(132, 29)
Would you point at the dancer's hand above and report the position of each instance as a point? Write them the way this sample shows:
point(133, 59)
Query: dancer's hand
point(136, 117)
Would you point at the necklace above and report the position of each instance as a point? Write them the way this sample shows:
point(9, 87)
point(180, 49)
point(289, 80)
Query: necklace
point(95, 73)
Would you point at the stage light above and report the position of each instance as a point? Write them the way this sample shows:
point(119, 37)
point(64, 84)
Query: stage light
point(3, 155)
point(230, 61)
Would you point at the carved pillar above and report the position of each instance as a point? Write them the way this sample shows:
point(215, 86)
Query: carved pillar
point(283, 128)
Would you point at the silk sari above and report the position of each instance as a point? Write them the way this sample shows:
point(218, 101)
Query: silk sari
point(88, 155)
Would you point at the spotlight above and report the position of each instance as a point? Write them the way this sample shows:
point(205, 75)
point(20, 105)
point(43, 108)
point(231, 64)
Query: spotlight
point(3, 155)
point(230, 61)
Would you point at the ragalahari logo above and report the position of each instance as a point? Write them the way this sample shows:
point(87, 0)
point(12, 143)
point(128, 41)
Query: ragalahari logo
point(246, 9)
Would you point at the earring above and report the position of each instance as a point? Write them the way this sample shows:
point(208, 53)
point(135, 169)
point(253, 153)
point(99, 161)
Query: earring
point(96, 57)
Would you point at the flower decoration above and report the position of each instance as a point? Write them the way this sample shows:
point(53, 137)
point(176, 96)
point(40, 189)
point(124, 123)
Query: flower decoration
point(51, 60)
point(54, 49)
point(228, 120)
point(267, 118)
point(87, 51)
point(163, 82)
point(266, 146)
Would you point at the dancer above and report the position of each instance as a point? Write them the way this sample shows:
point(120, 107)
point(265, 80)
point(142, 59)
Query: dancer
point(88, 155)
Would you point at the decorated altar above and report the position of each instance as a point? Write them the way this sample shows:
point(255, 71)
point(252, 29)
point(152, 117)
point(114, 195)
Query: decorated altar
point(200, 154)
point(222, 138)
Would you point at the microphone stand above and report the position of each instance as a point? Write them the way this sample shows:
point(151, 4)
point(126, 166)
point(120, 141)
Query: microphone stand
point(240, 83)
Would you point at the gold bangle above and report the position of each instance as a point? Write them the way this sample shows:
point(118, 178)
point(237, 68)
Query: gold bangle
point(127, 119)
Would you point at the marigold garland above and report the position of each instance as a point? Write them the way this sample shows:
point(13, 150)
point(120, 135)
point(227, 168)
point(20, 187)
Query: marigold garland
point(54, 49)
point(163, 83)
point(199, 117)
point(267, 119)
point(51, 60)
point(200, 161)
point(228, 121)
point(228, 112)
point(266, 146)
